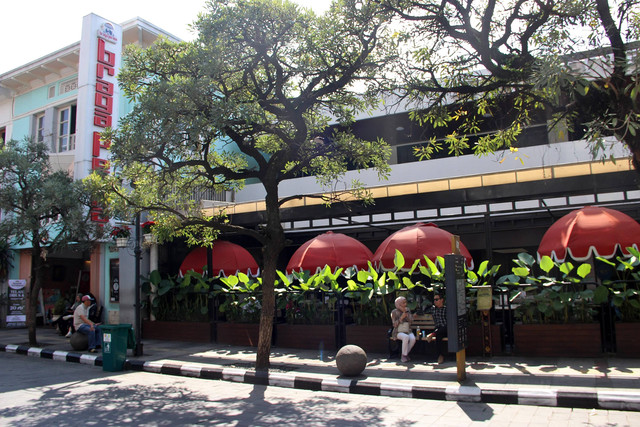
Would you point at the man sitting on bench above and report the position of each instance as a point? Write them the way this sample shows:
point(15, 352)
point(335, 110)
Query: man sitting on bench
point(439, 313)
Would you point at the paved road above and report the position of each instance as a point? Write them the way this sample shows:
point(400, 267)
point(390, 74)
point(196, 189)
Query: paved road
point(37, 392)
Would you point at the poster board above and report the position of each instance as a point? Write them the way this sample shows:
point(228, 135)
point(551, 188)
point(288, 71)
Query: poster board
point(17, 314)
point(455, 282)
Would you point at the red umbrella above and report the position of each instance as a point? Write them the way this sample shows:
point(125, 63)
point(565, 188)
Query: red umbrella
point(415, 242)
point(227, 258)
point(336, 250)
point(592, 230)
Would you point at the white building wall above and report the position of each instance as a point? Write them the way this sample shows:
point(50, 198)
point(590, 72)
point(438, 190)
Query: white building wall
point(563, 153)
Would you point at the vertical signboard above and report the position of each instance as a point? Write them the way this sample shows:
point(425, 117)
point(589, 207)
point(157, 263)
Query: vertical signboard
point(114, 277)
point(456, 302)
point(16, 316)
point(98, 97)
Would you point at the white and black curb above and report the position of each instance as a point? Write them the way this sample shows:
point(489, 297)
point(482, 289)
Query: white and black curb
point(463, 393)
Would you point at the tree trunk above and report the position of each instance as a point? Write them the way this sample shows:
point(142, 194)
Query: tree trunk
point(35, 284)
point(267, 313)
point(274, 242)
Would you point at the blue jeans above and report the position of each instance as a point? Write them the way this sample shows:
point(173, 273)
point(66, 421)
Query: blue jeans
point(95, 336)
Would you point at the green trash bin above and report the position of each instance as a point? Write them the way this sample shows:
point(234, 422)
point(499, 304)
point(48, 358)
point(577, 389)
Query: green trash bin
point(115, 340)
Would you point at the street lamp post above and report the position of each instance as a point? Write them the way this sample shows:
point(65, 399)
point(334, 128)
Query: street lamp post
point(137, 250)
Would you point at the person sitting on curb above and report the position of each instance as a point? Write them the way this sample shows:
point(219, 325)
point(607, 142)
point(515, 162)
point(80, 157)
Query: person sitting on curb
point(401, 319)
point(85, 326)
point(439, 313)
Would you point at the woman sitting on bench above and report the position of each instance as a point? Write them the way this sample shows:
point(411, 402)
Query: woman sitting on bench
point(401, 319)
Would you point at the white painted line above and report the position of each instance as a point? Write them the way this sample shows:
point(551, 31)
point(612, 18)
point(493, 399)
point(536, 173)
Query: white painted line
point(233, 374)
point(153, 366)
point(60, 355)
point(336, 384)
point(34, 352)
point(396, 390)
point(88, 359)
point(279, 379)
point(191, 370)
point(619, 400)
point(537, 397)
point(463, 393)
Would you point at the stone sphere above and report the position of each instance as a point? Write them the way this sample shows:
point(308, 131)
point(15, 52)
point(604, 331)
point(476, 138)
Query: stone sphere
point(79, 342)
point(351, 360)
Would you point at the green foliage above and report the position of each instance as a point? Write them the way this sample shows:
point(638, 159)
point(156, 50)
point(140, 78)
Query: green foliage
point(623, 292)
point(550, 292)
point(42, 207)
point(540, 292)
point(177, 299)
point(248, 101)
point(310, 308)
point(575, 60)
point(304, 298)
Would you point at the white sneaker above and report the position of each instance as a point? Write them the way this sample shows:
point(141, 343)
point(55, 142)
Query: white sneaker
point(68, 335)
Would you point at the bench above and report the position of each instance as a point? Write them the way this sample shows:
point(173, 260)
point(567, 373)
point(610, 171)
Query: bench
point(424, 322)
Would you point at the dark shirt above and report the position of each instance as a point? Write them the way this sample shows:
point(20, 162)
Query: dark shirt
point(439, 316)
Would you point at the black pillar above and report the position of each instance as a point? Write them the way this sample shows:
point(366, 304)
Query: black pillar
point(137, 250)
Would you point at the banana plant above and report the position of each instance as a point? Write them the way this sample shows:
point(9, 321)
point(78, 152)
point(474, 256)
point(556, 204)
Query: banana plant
point(559, 294)
point(624, 292)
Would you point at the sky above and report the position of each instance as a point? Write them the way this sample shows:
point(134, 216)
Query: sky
point(32, 29)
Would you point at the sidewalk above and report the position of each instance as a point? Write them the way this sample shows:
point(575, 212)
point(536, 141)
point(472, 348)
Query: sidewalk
point(607, 383)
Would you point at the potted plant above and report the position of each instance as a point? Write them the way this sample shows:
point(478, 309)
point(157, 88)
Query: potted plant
point(621, 293)
point(180, 307)
point(555, 313)
point(149, 237)
point(309, 320)
point(121, 235)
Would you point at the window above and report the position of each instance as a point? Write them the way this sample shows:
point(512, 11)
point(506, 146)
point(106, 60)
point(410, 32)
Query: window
point(3, 136)
point(39, 131)
point(66, 129)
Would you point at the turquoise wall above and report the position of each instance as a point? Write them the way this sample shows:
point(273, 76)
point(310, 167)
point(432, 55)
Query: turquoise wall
point(21, 128)
point(30, 101)
point(36, 99)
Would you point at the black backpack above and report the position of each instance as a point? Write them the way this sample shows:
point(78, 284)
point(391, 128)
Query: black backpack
point(95, 313)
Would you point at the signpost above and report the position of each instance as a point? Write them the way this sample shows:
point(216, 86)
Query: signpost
point(455, 284)
point(16, 316)
point(484, 303)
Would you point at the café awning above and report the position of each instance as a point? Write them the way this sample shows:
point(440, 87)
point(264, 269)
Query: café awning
point(227, 258)
point(336, 250)
point(590, 231)
point(415, 242)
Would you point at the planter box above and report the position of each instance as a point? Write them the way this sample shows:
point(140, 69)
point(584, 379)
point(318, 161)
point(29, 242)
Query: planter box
point(628, 339)
point(176, 331)
point(305, 336)
point(244, 334)
point(372, 339)
point(572, 340)
point(474, 343)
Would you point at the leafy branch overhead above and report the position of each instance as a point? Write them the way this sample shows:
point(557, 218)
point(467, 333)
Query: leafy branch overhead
point(493, 68)
point(248, 102)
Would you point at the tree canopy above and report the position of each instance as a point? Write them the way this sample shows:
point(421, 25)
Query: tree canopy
point(250, 99)
point(44, 209)
point(575, 61)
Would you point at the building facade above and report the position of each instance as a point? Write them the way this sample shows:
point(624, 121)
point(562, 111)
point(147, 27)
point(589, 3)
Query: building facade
point(65, 99)
point(499, 204)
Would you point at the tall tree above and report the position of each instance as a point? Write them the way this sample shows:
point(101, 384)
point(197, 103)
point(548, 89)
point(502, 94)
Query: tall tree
point(250, 99)
point(575, 60)
point(44, 209)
